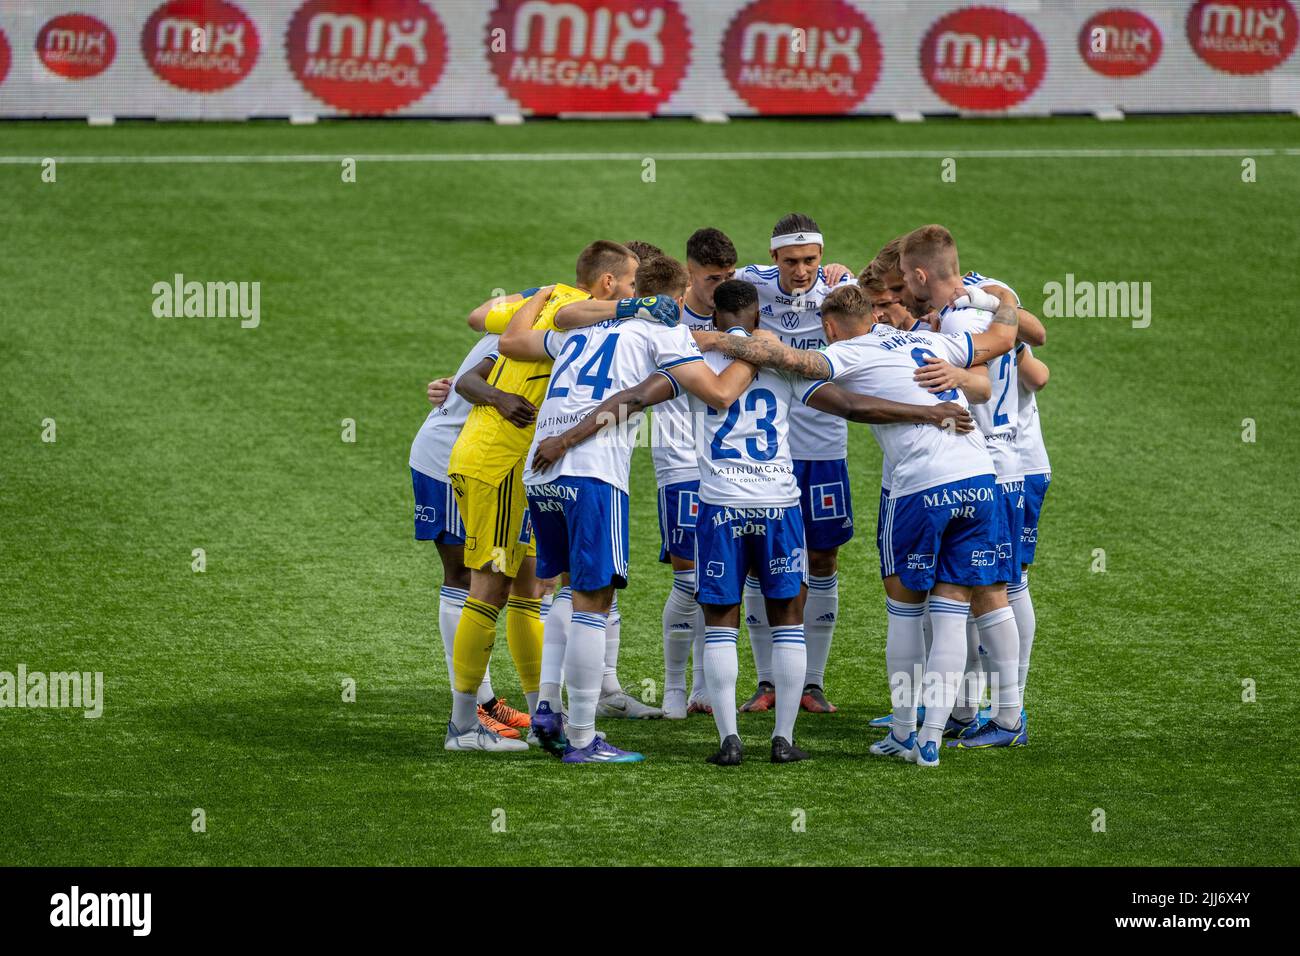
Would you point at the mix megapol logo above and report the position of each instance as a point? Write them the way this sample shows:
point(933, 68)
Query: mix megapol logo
point(76, 46)
point(589, 56)
point(789, 56)
point(982, 58)
point(200, 45)
point(1242, 36)
point(1120, 43)
point(366, 56)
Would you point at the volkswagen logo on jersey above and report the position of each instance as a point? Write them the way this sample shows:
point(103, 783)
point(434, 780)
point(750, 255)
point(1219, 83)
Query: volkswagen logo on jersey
point(790, 320)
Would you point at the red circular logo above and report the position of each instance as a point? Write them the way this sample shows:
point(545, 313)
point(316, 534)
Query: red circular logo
point(789, 56)
point(1120, 43)
point(76, 46)
point(5, 56)
point(200, 45)
point(981, 58)
point(366, 56)
point(1242, 36)
point(588, 56)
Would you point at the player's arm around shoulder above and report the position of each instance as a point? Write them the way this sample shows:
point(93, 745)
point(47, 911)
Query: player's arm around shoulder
point(1034, 372)
point(519, 340)
point(765, 350)
point(577, 315)
point(870, 410)
point(615, 410)
point(1000, 336)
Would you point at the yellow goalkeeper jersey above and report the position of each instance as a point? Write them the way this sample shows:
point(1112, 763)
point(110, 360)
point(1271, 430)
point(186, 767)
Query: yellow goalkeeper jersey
point(489, 447)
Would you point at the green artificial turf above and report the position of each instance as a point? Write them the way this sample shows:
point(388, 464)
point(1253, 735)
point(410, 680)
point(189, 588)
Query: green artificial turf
point(222, 689)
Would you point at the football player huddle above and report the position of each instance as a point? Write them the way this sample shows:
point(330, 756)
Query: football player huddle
point(753, 374)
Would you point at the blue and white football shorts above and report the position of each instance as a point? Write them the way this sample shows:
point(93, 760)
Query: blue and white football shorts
point(826, 501)
point(732, 542)
point(437, 518)
point(1035, 492)
point(945, 533)
point(679, 505)
point(1011, 508)
point(581, 529)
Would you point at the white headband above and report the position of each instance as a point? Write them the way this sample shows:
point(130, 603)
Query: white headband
point(797, 239)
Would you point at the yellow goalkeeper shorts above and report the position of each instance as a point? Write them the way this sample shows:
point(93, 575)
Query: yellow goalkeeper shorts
point(497, 534)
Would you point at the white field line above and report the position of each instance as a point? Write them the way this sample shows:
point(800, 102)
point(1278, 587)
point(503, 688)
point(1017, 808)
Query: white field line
point(803, 155)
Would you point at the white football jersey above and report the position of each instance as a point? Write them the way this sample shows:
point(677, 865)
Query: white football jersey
point(672, 440)
point(881, 363)
point(591, 364)
point(797, 319)
point(887, 466)
point(431, 450)
point(999, 416)
point(743, 454)
point(1029, 433)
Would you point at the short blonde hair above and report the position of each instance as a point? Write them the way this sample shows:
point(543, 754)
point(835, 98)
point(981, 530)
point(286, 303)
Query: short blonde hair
point(847, 300)
point(887, 259)
point(872, 278)
point(933, 249)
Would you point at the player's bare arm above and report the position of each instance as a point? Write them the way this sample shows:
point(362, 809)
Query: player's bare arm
point(1000, 336)
point(767, 351)
point(1032, 331)
point(520, 340)
point(577, 315)
point(938, 376)
point(869, 410)
point(1033, 372)
point(716, 391)
point(616, 409)
point(474, 388)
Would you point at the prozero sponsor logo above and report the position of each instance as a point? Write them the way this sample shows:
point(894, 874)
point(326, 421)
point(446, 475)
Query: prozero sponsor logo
point(981, 58)
point(1120, 43)
point(790, 56)
point(200, 45)
point(366, 56)
point(5, 56)
point(1242, 36)
point(76, 46)
point(589, 56)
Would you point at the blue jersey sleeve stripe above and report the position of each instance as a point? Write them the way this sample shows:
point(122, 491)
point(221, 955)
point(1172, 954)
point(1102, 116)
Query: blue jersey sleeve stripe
point(831, 364)
point(677, 389)
point(529, 293)
point(812, 388)
point(970, 350)
point(681, 361)
point(546, 343)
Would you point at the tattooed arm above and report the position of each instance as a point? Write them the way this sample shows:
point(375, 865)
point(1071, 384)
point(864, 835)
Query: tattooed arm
point(765, 350)
point(1001, 333)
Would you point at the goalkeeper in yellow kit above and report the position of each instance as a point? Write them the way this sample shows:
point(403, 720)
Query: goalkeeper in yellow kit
point(486, 471)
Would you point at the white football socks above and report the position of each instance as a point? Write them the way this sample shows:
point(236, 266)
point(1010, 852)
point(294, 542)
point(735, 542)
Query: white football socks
point(760, 633)
point(584, 663)
point(905, 660)
point(681, 617)
point(555, 633)
point(819, 614)
point(998, 636)
point(789, 665)
point(720, 668)
point(971, 691)
point(613, 635)
point(1026, 625)
point(943, 669)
